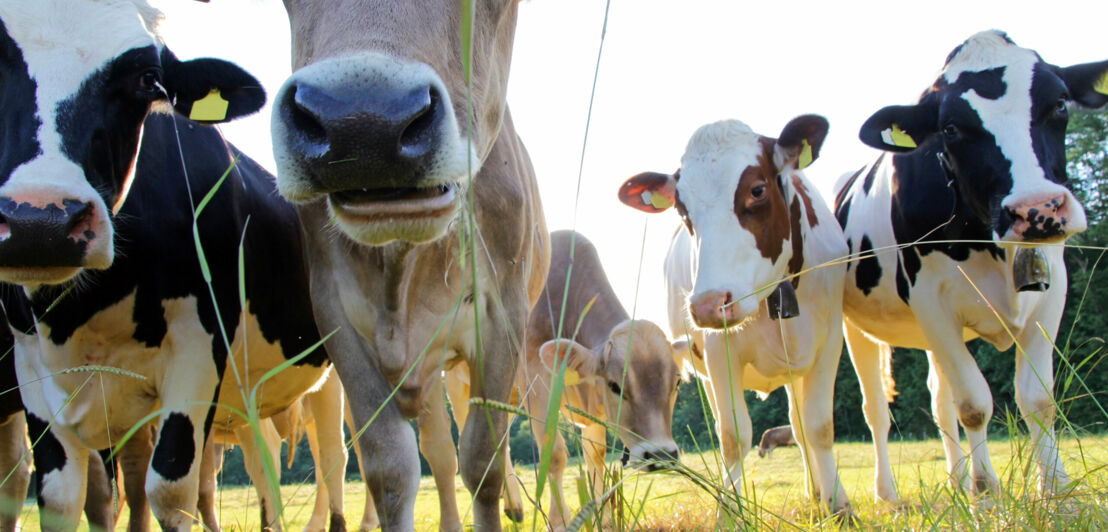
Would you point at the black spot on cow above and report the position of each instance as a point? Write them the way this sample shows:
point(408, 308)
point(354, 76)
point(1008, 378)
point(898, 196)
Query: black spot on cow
point(49, 455)
point(907, 266)
point(868, 183)
point(175, 450)
point(17, 109)
point(850, 251)
point(868, 274)
point(842, 204)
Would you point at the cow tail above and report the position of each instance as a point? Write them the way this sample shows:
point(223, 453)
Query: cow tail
point(886, 357)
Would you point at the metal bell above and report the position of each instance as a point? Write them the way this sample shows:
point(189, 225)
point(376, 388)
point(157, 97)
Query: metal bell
point(1030, 270)
point(782, 302)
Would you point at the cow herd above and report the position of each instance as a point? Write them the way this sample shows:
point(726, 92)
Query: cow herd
point(164, 295)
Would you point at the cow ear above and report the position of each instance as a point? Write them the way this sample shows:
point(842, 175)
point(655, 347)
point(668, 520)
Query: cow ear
point(649, 192)
point(899, 128)
point(800, 141)
point(1087, 83)
point(581, 363)
point(210, 91)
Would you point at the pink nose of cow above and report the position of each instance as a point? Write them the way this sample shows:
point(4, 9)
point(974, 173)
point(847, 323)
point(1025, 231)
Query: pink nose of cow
point(1041, 218)
point(713, 310)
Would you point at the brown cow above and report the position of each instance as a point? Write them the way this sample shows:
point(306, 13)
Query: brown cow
point(421, 216)
point(774, 438)
point(620, 371)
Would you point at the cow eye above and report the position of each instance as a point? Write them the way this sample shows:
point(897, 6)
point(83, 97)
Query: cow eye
point(950, 131)
point(149, 83)
point(1061, 109)
point(758, 191)
point(614, 387)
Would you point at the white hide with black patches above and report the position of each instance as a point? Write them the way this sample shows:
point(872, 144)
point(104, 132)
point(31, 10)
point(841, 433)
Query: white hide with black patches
point(58, 72)
point(714, 159)
point(1007, 119)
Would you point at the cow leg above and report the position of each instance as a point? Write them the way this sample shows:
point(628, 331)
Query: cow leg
point(866, 355)
point(15, 464)
point(134, 458)
point(61, 473)
point(732, 418)
point(99, 507)
point(328, 452)
point(437, 446)
point(970, 391)
point(1035, 380)
point(813, 405)
point(252, 457)
point(456, 382)
point(369, 513)
point(210, 464)
point(946, 417)
point(594, 446)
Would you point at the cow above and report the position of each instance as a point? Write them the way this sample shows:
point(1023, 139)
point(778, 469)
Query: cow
point(977, 171)
point(749, 280)
point(421, 216)
point(773, 438)
point(618, 371)
point(132, 306)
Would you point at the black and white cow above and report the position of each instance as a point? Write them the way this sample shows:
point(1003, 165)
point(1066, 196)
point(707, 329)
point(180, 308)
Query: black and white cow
point(978, 161)
point(103, 238)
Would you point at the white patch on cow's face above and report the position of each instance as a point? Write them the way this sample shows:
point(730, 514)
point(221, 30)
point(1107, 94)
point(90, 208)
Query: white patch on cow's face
point(1009, 120)
point(376, 222)
point(63, 43)
point(728, 254)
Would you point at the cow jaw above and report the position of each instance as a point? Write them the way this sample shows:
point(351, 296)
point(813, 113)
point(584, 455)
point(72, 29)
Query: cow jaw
point(379, 216)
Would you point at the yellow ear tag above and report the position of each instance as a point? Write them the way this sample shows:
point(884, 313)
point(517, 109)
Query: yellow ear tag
point(659, 201)
point(1101, 84)
point(571, 377)
point(895, 136)
point(805, 155)
point(211, 108)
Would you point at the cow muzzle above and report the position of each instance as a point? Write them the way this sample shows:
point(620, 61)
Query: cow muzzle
point(1048, 217)
point(650, 457)
point(49, 242)
point(715, 310)
point(379, 139)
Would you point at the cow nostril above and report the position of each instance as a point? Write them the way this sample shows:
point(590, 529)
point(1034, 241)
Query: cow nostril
point(417, 138)
point(303, 118)
point(79, 223)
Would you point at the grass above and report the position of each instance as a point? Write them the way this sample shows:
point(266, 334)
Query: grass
point(669, 501)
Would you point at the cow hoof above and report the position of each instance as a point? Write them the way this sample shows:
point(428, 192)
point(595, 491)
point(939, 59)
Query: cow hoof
point(514, 514)
point(845, 518)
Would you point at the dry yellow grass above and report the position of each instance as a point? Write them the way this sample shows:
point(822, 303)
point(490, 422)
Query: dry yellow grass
point(774, 497)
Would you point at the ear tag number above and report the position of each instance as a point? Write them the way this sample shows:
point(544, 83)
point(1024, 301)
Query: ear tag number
point(1101, 84)
point(571, 377)
point(211, 108)
point(656, 200)
point(805, 155)
point(894, 136)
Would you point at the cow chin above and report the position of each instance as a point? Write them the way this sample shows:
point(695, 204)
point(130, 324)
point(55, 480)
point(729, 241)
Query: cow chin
point(416, 221)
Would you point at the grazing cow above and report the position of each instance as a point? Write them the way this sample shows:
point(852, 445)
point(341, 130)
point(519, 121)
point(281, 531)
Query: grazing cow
point(619, 371)
point(421, 217)
point(774, 438)
point(753, 224)
point(105, 237)
point(980, 158)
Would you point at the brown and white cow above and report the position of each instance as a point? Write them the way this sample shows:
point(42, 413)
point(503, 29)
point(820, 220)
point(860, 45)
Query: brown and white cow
point(422, 220)
point(620, 371)
point(773, 438)
point(752, 220)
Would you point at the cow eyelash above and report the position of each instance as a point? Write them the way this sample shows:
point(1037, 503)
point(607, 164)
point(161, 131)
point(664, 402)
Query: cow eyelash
point(149, 83)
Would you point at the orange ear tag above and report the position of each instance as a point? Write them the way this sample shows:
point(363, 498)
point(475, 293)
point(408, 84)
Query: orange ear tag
point(211, 108)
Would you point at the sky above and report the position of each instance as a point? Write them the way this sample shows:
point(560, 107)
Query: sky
point(667, 68)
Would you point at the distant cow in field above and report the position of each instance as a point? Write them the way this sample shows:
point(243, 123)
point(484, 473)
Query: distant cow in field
point(421, 217)
point(978, 171)
point(120, 319)
point(756, 232)
point(773, 438)
point(620, 371)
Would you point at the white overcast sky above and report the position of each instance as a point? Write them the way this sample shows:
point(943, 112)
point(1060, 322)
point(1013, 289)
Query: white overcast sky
point(669, 67)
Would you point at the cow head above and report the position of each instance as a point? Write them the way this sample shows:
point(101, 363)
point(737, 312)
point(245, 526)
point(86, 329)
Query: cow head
point(996, 117)
point(77, 79)
point(642, 400)
point(374, 118)
point(735, 193)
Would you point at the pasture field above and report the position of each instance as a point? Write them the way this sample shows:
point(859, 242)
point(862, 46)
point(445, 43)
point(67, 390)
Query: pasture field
point(774, 497)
